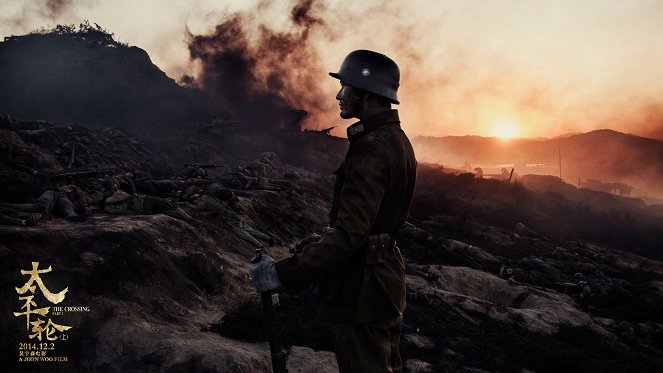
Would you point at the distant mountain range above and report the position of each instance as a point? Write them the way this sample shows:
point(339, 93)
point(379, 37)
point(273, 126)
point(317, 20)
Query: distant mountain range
point(84, 76)
point(606, 155)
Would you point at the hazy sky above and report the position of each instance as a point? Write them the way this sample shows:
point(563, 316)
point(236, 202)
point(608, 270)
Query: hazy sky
point(520, 67)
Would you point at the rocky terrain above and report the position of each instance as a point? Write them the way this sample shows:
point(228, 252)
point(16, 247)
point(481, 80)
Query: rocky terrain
point(158, 287)
point(580, 288)
point(579, 299)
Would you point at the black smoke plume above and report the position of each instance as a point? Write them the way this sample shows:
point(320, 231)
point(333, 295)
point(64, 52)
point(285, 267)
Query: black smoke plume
point(260, 73)
point(44, 10)
point(55, 8)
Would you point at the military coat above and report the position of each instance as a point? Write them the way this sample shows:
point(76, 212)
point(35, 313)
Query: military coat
point(373, 193)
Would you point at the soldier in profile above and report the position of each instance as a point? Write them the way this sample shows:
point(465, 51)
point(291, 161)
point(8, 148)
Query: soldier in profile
point(356, 264)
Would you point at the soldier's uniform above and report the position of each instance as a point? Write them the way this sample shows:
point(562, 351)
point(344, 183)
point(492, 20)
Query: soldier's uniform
point(230, 217)
point(67, 201)
point(121, 203)
point(362, 293)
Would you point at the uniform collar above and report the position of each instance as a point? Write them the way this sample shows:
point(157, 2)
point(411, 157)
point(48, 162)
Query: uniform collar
point(361, 128)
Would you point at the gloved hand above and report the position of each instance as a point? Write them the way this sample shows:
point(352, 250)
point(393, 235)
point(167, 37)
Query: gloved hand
point(300, 246)
point(264, 275)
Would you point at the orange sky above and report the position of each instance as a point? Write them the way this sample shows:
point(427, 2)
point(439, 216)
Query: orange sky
point(524, 67)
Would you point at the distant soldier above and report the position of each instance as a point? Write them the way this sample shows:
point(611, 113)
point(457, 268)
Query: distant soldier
point(478, 172)
point(71, 201)
point(68, 201)
point(236, 224)
point(194, 171)
point(180, 189)
point(238, 178)
point(584, 289)
point(222, 193)
point(11, 217)
point(124, 203)
point(101, 188)
point(507, 273)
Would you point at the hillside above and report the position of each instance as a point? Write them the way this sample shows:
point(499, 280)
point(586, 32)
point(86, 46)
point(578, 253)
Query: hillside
point(83, 75)
point(606, 155)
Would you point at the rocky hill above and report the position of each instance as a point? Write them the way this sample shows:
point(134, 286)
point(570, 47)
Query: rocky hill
point(82, 75)
point(606, 155)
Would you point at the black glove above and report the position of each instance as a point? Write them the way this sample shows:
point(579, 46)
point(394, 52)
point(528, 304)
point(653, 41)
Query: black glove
point(300, 246)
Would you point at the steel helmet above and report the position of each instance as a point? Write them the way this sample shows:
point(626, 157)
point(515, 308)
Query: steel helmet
point(371, 71)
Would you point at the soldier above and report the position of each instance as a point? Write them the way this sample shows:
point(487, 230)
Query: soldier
point(223, 194)
point(99, 189)
point(121, 203)
point(266, 165)
point(67, 201)
point(70, 201)
point(238, 178)
point(356, 264)
point(27, 214)
point(236, 224)
point(193, 171)
point(11, 217)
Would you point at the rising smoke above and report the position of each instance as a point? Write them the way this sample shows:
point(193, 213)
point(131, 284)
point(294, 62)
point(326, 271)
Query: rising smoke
point(261, 73)
point(55, 8)
point(46, 10)
point(456, 75)
point(646, 119)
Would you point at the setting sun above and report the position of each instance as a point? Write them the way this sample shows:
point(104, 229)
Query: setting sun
point(504, 128)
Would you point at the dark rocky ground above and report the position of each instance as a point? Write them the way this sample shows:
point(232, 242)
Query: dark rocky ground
point(169, 295)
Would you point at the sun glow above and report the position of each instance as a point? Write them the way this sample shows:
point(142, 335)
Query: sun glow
point(504, 128)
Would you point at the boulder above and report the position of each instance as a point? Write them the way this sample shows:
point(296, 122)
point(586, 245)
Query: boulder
point(418, 366)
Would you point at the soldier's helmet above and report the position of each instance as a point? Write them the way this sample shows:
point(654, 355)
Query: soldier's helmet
point(371, 71)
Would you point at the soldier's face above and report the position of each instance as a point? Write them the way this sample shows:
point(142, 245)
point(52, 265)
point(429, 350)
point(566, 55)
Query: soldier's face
point(347, 103)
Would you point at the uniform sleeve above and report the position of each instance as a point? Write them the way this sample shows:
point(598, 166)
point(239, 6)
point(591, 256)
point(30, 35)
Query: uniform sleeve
point(363, 189)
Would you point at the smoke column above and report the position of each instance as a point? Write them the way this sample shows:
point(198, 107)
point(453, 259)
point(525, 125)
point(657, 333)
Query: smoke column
point(260, 73)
